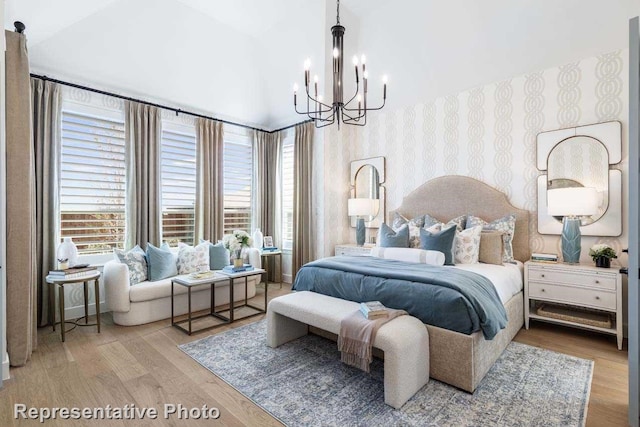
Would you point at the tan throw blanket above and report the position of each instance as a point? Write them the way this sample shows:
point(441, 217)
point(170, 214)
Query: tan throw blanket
point(357, 334)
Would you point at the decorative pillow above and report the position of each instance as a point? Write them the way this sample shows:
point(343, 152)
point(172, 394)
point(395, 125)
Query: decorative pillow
point(161, 262)
point(414, 224)
point(387, 238)
point(193, 259)
point(136, 261)
point(440, 241)
point(466, 248)
point(458, 221)
point(409, 255)
point(491, 247)
point(218, 255)
point(505, 225)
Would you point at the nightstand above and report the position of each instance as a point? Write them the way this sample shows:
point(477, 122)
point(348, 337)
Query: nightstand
point(352, 249)
point(577, 295)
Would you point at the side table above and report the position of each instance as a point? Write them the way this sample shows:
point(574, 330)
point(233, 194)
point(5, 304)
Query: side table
point(60, 282)
point(264, 256)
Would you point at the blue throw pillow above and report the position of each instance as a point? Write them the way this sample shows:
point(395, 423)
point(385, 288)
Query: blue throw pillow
point(441, 241)
point(161, 262)
point(218, 255)
point(387, 238)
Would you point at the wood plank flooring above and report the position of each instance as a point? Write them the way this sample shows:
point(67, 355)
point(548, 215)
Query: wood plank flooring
point(142, 365)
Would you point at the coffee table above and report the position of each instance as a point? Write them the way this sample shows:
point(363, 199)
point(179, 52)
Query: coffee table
point(217, 277)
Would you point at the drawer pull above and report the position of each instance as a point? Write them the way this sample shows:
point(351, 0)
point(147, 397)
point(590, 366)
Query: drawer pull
point(597, 281)
point(597, 297)
point(542, 275)
point(542, 289)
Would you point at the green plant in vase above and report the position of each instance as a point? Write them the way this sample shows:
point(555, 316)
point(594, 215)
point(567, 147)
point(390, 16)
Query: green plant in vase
point(602, 255)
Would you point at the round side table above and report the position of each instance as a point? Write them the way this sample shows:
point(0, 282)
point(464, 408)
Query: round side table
point(53, 281)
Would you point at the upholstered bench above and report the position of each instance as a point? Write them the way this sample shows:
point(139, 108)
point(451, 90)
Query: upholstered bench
point(404, 340)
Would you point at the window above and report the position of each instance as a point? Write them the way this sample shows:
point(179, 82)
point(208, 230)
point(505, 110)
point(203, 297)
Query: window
point(238, 172)
point(287, 191)
point(178, 184)
point(92, 180)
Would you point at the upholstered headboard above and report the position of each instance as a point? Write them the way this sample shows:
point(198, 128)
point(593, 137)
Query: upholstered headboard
point(450, 196)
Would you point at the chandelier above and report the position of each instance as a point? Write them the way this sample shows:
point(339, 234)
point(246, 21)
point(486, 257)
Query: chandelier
point(352, 112)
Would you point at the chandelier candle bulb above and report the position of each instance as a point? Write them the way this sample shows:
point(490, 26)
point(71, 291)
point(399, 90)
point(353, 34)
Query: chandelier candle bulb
point(355, 60)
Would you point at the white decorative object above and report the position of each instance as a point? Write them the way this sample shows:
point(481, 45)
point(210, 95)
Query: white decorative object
point(67, 254)
point(258, 239)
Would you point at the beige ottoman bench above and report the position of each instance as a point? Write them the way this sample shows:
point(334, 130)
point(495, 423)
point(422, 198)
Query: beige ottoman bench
point(404, 340)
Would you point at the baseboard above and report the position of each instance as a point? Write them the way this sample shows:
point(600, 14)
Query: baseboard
point(286, 278)
point(5, 367)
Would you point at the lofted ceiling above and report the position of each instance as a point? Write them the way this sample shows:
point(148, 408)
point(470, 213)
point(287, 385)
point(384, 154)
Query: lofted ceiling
point(238, 59)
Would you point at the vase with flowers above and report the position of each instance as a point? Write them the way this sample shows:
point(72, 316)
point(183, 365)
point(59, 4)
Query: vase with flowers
point(236, 242)
point(602, 254)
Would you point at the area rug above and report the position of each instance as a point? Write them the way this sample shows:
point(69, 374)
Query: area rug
point(303, 383)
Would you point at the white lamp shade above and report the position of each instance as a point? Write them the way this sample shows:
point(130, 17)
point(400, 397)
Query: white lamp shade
point(363, 207)
point(576, 201)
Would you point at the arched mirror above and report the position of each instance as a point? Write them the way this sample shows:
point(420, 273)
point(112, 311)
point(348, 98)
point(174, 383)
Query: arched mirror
point(581, 157)
point(580, 161)
point(367, 176)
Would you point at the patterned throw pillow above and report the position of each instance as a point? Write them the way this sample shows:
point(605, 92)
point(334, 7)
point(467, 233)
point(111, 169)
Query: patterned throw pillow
point(414, 225)
point(458, 221)
point(505, 225)
point(136, 260)
point(193, 259)
point(466, 247)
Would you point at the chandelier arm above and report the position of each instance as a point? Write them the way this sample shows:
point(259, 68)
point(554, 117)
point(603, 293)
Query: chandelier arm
point(309, 97)
point(348, 117)
point(325, 124)
point(357, 121)
point(354, 95)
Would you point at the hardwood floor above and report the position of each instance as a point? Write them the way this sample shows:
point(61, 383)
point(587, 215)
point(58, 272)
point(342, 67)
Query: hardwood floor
point(142, 365)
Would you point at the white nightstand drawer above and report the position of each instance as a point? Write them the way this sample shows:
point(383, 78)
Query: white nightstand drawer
point(573, 295)
point(595, 280)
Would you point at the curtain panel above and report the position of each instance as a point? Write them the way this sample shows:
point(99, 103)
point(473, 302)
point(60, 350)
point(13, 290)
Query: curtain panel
point(267, 158)
point(209, 208)
point(267, 179)
point(22, 283)
point(143, 201)
point(303, 238)
point(46, 102)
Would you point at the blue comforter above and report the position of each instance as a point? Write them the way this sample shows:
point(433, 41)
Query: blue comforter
point(446, 297)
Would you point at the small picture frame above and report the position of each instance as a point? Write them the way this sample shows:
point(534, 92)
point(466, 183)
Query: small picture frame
point(268, 241)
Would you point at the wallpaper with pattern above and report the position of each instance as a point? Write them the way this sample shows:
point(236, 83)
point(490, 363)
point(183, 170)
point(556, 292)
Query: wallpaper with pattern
point(487, 133)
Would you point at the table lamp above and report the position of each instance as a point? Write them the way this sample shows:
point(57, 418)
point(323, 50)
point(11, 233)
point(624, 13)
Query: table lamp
point(361, 207)
point(571, 203)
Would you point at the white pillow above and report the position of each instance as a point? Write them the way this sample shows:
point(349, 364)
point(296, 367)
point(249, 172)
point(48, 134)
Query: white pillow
point(466, 246)
point(193, 259)
point(420, 256)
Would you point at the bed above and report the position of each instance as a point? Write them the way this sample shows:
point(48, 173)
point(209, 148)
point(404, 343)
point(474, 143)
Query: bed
point(457, 358)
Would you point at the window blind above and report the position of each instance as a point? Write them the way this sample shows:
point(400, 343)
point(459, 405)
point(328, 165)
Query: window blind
point(92, 182)
point(238, 170)
point(178, 159)
point(287, 191)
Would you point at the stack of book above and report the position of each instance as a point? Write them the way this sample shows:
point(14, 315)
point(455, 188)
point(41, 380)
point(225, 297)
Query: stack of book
point(231, 269)
point(73, 273)
point(373, 310)
point(270, 249)
point(551, 258)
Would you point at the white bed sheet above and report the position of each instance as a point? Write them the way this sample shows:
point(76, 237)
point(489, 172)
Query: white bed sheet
point(507, 278)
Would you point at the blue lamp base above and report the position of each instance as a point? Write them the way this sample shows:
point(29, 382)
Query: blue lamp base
point(361, 232)
point(571, 240)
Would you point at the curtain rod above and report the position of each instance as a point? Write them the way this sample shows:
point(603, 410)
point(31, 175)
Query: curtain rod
point(164, 107)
